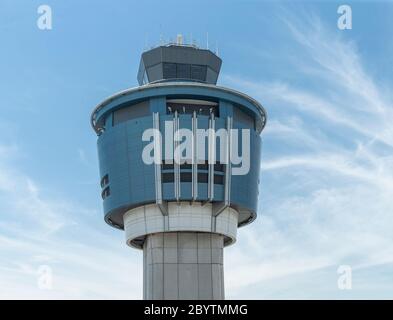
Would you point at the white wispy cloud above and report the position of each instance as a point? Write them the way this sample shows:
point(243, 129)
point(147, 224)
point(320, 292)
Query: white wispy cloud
point(327, 176)
point(86, 259)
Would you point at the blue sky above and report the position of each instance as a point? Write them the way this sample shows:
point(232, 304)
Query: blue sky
point(327, 164)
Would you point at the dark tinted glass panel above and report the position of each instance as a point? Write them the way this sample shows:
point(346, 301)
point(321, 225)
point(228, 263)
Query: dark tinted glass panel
point(183, 71)
point(219, 167)
point(185, 166)
point(104, 181)
point(186, 177)
point(203, 166)
point(167, 166)
point(202, 177)
point(167, 177)
point(169, 70)
point(218, 179)
point(105, 193)
point(198, 72)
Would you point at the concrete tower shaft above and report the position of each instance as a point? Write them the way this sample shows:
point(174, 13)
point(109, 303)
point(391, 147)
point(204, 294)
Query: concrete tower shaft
point(182, 214)
point(183, 265)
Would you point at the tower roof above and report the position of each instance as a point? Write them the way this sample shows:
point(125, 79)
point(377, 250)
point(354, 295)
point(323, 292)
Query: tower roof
point(179, 62)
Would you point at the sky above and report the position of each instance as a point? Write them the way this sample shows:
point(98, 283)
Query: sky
point(327, 161)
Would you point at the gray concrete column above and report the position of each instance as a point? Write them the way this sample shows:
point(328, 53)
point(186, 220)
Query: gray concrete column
point(183, 265)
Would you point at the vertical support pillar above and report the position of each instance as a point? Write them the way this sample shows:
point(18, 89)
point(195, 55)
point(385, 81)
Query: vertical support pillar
point(211, 156)
point(157, 163)
point(194, 156)
point(176, 163)
point(183, 265)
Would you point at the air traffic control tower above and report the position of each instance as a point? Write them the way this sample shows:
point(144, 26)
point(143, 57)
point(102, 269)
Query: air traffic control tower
point(181, 215)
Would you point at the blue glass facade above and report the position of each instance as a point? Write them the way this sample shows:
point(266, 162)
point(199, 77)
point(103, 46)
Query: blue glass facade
point(130, 183)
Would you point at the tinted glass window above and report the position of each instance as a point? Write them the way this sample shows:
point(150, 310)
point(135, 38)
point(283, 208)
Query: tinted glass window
point(219, 167)
point(183, 71)
point(203, 177)
point(167, 177)
point(105, 193)
point(218, 179)
point(186, 177)
point(187, 108)
point(198, 72)
point(185, 166)
point(167, 166)
point(169, 70)
point(104, 181)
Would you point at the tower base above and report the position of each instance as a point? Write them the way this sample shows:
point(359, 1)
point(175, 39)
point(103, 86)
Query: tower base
point(183, 265)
